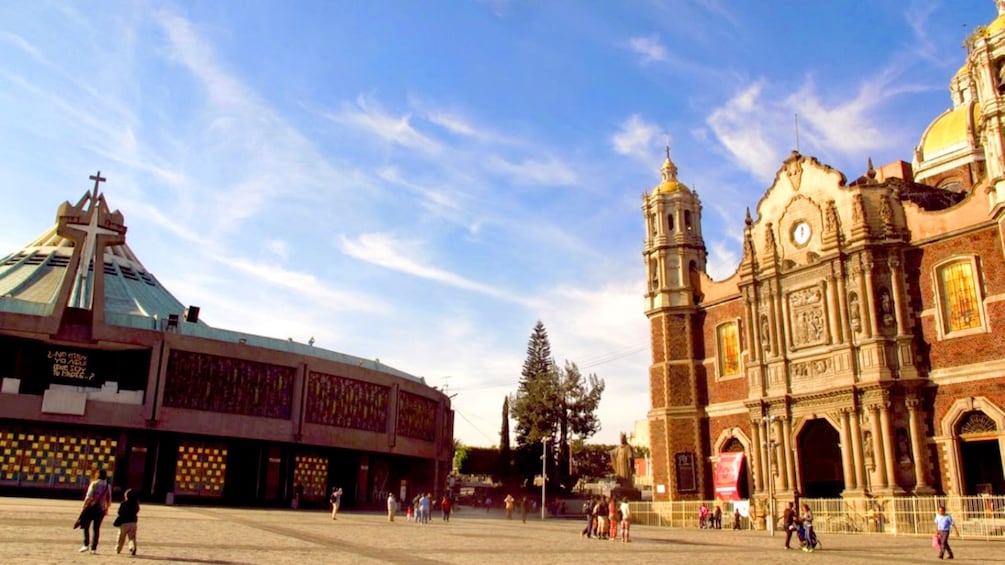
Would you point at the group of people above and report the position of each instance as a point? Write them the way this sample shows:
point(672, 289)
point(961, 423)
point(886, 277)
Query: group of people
point(97, 502)
point(607, 519)
point(710, 519)
point(421, 508)
point(801, 524)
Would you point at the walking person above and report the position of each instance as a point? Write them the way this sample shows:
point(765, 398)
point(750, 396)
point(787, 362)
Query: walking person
point(126, 521)
point(524, 506)
point(96, 503)
point(509, 501)
point(626, 521)
point(943, 523)
point(789, 523)
point(588, 513)
point(392, 507)
point(336, 500)
point(806, 520)
point(612, 519)
point(445, 506)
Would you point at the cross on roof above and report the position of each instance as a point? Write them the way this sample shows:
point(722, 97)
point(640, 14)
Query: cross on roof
point(97, 179)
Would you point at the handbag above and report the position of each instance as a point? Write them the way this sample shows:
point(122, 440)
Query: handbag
point(117, 522)
point(936, 544)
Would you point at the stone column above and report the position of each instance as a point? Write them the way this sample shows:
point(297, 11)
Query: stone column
point(833, 311)
point(842, 312)
point(856, 444)
point(897, 291)
point(781, 330)
point(779, 434)
point(917, 439)
point(870, 291)
point(888, 452)
point(847, 465)
point(790, 464)
point(756, 454)
point(879, 446)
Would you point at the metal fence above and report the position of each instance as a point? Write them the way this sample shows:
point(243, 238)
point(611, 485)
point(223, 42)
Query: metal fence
point(977, 517)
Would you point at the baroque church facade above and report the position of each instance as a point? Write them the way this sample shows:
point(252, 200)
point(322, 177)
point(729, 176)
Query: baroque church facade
point(857, 348)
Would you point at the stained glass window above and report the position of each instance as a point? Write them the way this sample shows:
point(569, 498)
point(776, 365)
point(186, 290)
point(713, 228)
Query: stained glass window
point(960, 303)
point(729, 349)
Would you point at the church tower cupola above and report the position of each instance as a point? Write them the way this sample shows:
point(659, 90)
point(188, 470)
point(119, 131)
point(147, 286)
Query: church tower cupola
point(674, 247)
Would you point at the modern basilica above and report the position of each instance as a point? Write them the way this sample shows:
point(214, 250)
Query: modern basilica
point(858, 348)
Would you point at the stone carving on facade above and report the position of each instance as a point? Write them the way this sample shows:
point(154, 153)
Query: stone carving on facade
point(831, 217)
point(794, 171)
point(815, 368)
point(886, 211)
point(858, 209)
point(809, 321)
point(769, 239)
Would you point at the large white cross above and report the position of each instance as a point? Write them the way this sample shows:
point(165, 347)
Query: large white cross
point(91, 231)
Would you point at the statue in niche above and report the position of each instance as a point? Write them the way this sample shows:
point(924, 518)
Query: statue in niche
point(903, 447)
point(870, 458)
point(886, 306)
point(765, 334)
point(854, 313)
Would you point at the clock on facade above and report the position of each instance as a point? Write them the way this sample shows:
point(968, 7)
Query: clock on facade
point(801, 233)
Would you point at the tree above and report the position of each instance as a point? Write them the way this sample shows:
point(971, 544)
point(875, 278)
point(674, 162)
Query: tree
point(461, 452)
point(533, 405)
point(553, 404)
point(505, 457)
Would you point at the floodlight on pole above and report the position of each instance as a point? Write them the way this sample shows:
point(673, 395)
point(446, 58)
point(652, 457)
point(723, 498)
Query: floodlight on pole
point(544, 475)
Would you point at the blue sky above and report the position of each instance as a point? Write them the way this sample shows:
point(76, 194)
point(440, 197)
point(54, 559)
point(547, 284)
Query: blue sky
point(420, 182)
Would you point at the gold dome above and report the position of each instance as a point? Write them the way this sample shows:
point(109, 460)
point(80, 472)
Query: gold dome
point(949, 130)
point(670, 183)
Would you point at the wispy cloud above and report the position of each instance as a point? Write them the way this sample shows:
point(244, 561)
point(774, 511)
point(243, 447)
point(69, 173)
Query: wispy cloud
point(384, 250)
point(550, 171)
point(635, 138)
point(649, 48)
point(367, 115)
point(744, 126)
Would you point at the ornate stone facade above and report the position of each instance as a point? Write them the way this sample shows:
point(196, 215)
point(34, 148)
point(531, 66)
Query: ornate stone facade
point(866, 313)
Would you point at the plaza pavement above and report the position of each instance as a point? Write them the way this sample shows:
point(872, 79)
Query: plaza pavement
point(40, 531)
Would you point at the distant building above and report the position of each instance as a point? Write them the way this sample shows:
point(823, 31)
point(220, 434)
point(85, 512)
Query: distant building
point(857, 349)
point(103, 367)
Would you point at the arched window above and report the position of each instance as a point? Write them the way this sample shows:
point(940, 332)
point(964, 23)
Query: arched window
point(960, 303)
point(670, 223)
point(728, 349)
point(687, 220)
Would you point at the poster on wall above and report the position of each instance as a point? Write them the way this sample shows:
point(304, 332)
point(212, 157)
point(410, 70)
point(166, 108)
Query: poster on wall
point(687, 477)
point(727, 474)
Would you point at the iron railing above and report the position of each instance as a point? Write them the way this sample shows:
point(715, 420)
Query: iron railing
point(977, 517)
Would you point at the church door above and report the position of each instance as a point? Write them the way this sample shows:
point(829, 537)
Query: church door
point(980, 454)
point(820, 460)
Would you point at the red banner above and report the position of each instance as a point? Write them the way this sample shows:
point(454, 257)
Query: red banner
point(727, 473)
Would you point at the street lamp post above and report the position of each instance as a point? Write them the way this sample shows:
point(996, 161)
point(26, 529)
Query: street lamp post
point(544, 475)
point(770, 443)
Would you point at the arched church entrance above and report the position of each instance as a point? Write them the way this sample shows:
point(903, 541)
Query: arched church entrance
point(980, 454)
point(743, 479)
point(820, 460)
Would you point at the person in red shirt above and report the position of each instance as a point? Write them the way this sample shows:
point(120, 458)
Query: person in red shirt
point(445, 506)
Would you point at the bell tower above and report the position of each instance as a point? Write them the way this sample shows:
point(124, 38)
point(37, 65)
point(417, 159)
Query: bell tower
point(674, 254)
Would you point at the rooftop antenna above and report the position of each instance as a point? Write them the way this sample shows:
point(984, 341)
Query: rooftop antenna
point(796, 116)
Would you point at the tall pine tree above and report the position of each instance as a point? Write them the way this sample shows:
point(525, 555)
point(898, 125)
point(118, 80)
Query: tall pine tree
point(505, 456)
point(553, 404)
